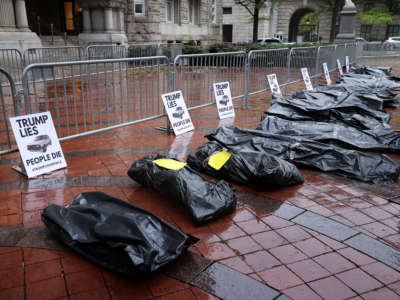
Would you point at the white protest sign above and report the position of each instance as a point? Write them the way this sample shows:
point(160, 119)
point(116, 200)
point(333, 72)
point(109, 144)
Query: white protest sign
point(306, 78)
point(347, 64)
point(273, 84)
point(38, 143)
point(339, 65)
point(177, 112)
point(326, 72)
point(223, 98)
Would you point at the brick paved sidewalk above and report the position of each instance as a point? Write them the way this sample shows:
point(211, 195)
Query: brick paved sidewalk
point(328, 238)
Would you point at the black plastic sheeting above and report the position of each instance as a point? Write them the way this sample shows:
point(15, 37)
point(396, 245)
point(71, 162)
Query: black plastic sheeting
point(324, 157)
point(374, 71)
point(252, 168)
point(380, 97)
point(333, 99)
point(334, 133)
point(116, 234)
point(205, 200)
point(370, 81)
point(325, 107)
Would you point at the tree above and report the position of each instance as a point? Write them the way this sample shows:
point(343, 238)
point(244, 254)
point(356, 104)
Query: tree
point(254, 7)
point(307, 22)
point(326, 6)
point(376, 16)
point(379, 15)
point(372, 16)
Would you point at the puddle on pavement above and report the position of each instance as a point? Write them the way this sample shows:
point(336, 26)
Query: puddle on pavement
point(257, 202)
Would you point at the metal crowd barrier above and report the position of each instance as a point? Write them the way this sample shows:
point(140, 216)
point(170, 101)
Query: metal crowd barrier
point(53, 54)
point(106, 51)
point(98, 94)
point(325, 54)
point(9, 108)
point(379, 49)
point(169, 50)
point(195, 74)
point(304, 57)
point(95, 95)
point(351, 52)
point(341, 53)
point(11, 60)
point(262, 62)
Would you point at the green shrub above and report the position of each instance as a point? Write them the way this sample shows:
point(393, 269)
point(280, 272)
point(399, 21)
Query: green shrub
point(215, 48)
point(190, 47)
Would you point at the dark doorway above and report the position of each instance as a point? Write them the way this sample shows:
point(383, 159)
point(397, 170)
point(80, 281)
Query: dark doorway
point(227, 33)
point(295, 22)
point(59, 16)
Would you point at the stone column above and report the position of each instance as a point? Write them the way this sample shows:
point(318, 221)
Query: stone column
point(7, 13)
point(107, 24)
point(267, 22)
point(275, 18)
point(121, 23)
point(20, 11)
point(87, 24)
point(108, 20)
point(14, 28)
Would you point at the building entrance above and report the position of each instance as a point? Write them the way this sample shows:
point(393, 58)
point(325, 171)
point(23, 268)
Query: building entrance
point(54, 16)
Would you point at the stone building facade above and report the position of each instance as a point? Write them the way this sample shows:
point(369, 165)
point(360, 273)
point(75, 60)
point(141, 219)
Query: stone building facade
point(14, 27)
point(27, 23)
point(174, 21)
point(282, 21)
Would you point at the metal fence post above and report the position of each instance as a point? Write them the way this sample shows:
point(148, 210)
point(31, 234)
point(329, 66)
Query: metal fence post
point(335, 57)
point(288, 71)
point(3, 105)
point(25, 84)
point(171, 88)
point(246, 80)
point(317, 64)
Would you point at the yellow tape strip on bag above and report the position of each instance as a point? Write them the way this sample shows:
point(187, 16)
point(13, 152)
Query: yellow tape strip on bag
point(218, 160)
point(170, 164)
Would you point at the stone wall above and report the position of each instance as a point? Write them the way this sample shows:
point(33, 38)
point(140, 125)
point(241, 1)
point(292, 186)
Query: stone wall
point(153, 26)
point(242, 22)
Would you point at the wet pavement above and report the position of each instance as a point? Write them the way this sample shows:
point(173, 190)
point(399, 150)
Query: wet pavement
point(329, 238)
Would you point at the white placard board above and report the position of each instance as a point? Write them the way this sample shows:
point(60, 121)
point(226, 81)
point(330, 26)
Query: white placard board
point(178, 114)
point(38, 143)
point(306, 78)
point(273, 84)
point(339, 65)
point(223, 98)
point(326, 72)
point(347, 64)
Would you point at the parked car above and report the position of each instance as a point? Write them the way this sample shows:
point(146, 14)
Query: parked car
point(361, 40)
point(242, 43)
point(178, 113)
point(40, 143)
point(392, 43)
point(269, 41)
